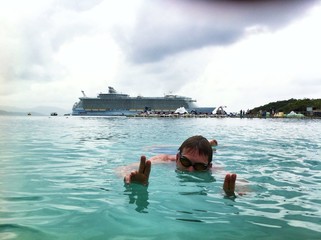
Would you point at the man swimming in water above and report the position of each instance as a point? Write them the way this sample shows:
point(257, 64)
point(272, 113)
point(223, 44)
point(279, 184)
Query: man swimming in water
point(195, 154)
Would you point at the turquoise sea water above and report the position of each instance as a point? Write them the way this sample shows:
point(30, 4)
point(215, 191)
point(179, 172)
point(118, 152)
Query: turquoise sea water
point(58, 179)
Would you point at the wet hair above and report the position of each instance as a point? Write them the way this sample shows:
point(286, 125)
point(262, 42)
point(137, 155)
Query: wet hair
point(199, 143)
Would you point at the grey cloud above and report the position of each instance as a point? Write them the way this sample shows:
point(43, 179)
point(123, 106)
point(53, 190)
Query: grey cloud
point(39, 38)
point(164, 76)
point(168, 27)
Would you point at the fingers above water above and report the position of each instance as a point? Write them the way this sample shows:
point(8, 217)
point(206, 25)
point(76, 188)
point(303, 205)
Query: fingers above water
point(229, 184)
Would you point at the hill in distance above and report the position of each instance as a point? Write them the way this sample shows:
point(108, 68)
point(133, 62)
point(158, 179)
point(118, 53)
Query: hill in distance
point(286, 106)
point(36, 111)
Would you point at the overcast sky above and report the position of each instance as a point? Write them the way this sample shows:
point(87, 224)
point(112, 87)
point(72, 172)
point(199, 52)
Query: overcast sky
point(241, 55)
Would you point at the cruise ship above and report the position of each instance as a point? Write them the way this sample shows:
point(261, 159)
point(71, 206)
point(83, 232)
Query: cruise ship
point(119, 104)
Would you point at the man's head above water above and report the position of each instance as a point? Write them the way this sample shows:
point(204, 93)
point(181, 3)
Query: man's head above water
point(195, 154)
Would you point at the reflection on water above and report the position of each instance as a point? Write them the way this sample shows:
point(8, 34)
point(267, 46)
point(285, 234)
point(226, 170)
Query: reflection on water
point(205, 177)
point(186, 178)
point(137, 194)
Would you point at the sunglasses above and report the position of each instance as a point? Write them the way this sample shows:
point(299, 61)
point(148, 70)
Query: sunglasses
point(197, 166)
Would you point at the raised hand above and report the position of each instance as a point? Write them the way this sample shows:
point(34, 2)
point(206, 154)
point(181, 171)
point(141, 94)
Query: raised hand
point(213, 142)
point(142, 175)
point(229, 185)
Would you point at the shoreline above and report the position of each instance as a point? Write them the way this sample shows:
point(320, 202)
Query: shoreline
point(213, 116)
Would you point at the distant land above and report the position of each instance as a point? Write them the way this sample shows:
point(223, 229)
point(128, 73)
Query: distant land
point(36, 111)
point(286, 106)
point(6, 113)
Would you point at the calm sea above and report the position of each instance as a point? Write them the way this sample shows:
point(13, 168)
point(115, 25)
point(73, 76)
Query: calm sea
point(58, 179)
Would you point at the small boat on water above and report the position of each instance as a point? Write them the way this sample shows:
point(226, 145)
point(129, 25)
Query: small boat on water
point(53, 114)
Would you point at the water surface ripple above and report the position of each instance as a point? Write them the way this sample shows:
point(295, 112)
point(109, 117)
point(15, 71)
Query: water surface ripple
point(58, 179)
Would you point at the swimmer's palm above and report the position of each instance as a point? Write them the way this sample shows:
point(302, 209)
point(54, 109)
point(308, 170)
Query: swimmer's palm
point(138, 178)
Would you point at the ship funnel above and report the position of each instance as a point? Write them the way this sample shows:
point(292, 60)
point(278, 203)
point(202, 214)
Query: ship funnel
point(83, 93)
point(111, 90)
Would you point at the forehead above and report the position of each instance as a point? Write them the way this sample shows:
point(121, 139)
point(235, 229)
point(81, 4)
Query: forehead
point(193, 154)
